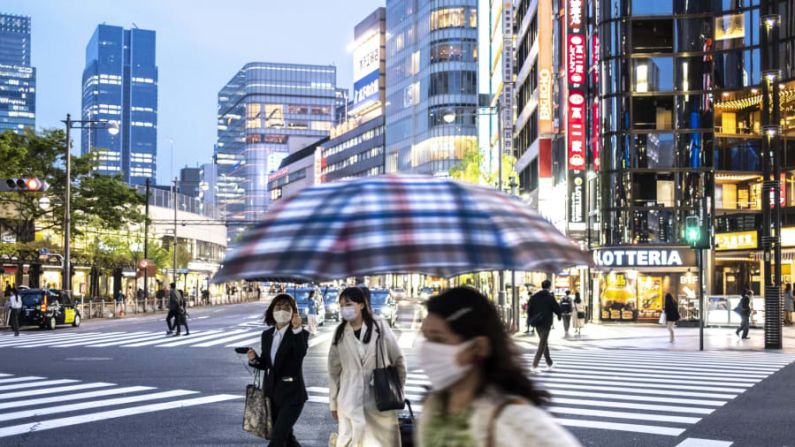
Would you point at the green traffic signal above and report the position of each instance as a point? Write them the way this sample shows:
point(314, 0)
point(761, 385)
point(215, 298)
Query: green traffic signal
point(693, 230)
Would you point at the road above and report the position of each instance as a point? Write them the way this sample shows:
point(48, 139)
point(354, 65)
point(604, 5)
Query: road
point(124, 382)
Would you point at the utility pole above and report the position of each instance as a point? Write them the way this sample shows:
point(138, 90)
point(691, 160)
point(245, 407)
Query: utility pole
point(67, 218)
point(146, 242)
point(174, 276)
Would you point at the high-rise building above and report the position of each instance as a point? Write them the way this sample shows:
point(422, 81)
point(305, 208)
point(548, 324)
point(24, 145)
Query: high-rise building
point(431, 84)
point(265, 112)
point(190, 181)
point(120, 86)
point(17, 77)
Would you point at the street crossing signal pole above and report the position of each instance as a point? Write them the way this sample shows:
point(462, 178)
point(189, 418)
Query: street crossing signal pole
point(697, 235)
point(174, 276)
point(146, 242)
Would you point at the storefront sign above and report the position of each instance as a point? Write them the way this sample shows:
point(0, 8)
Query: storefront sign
point(596, 125)
point(741, 240)
point(506, 99)
point(576, 61)
point(545, 94)
point(644, 257)
point(576, 130)
point(547, 114)
point(575, 69)
point(577, 197)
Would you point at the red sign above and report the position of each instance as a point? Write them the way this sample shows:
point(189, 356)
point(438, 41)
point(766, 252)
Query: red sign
point(576, 60)
point(576, 131)
point(595, 130)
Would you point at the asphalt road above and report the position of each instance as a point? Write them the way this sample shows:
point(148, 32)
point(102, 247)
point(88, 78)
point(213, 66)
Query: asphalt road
point(124, 383)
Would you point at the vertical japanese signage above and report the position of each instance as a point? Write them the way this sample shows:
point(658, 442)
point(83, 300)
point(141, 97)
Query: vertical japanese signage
point(576, 111)
point(546, 77)
point(595, 124)
point(506, 101)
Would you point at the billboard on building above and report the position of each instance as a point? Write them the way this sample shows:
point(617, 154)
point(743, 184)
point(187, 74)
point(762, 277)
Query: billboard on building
point(367, 70)
point(545, 71)
point(576, 111)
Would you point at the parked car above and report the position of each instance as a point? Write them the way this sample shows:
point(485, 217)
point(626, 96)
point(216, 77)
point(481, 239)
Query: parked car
point(301, 295)
point(47, 308)
point(384, 305)
point(331, 303)
point(398, 293)
point(425, 293)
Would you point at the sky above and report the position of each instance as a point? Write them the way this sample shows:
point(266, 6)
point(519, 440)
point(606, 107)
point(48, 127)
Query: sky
point(201, 44)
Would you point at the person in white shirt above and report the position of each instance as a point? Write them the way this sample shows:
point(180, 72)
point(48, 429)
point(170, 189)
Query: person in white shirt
point(284, 347)
point(16, 307)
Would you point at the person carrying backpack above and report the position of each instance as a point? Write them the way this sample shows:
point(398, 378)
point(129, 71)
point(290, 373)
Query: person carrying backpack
point(566, 309)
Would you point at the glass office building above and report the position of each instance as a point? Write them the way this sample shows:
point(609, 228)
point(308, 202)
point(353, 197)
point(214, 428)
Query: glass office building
point(120, 86)
point(265, 112)
point(17, 77)
point(431, 79)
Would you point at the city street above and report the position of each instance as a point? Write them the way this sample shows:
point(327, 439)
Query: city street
point(124, 380)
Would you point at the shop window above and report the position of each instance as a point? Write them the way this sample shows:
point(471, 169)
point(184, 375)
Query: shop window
point(654, 150)
point(693, 112)
point(454, 51)
point(692, 34)
point(653, 112)
point(654, 74)
point(736, 154)
point(453, 83)
point(653, 36)
point(692, 74)
point(736, 69)
point(739, 122)
point(448, 18)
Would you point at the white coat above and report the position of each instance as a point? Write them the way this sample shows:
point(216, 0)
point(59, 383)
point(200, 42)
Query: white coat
point(518, 425)
point(579, 323)
point(350, 366)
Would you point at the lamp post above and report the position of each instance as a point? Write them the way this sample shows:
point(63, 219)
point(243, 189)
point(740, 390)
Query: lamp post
point(113, 130)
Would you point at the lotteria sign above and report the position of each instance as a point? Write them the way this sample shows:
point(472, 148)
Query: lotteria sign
point(630, 257)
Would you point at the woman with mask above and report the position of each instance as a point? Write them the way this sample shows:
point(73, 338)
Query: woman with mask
point(284, 347)
point(351, 361)
point(481, 396)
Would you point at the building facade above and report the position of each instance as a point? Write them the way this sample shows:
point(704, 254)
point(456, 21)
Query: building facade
point(190, 181)
point(265, 112)
point(17, 76)
point(299, 170)
point(120, 86)
point(677, 116)
point(431, 78)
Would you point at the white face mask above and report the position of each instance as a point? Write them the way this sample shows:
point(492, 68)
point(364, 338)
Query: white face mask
point(440, 363)
point(348, 312)
point(282, 316)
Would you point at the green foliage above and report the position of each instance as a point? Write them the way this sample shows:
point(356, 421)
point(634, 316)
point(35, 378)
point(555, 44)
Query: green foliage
point(470, 169)
point(184, 255)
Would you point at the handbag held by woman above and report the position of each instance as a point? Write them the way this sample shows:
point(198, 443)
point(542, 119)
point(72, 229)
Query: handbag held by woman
point(387, 388)
point(257, 418)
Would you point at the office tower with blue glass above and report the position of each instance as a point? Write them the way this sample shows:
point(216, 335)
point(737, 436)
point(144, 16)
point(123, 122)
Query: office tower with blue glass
point(120, 86)
point(17, 77)
point(431, 84)
point(266, 112)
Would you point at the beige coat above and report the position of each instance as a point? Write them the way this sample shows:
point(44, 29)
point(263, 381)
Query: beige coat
point(578, 322)
point(350, 366)
point(519, 425)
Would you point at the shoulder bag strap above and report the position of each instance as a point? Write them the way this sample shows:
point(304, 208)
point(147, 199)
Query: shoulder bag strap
point(491, 441)
point(379, 347)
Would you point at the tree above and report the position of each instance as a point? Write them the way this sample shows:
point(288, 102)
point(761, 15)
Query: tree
point(96, 199)
point(470, 169)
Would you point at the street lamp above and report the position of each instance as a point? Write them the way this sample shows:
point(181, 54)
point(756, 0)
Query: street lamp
point(113, 130)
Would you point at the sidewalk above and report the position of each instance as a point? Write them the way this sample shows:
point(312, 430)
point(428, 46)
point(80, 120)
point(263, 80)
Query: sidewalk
point(655, 337)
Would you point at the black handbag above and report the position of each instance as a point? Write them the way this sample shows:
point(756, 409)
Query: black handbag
point(581, 315)
point(257, 416)
point(387, 389)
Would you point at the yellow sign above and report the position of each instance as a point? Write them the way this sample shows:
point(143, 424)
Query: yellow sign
point(741, 240)
point(69, 316)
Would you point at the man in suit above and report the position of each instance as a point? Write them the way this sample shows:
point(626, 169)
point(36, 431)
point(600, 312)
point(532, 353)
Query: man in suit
point(173, 308)
point(539, 313)
point(284, 347)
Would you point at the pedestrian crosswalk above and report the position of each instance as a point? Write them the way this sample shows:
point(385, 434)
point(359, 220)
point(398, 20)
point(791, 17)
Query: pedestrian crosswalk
point(197, 339)
point(33, 403)
point(645, 392)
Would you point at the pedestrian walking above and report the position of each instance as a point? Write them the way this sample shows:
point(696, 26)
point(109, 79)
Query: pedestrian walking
point(579, 314)
point(671, 311)
point(173, 308)
point(352, 359)
point(744, 309)
point(311, 313)
point(120, 303)
point(481, 395)
point(789, 305)
point(284, 345)
point(15, 306)
point(566, 309)
point(540, 312)
point(181, 314)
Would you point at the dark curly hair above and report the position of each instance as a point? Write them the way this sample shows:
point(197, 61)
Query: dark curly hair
point(469, 314)
point(282, 297)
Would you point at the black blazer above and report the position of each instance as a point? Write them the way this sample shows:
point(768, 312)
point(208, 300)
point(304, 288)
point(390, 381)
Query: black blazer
point(545, 304)
point(284, 379)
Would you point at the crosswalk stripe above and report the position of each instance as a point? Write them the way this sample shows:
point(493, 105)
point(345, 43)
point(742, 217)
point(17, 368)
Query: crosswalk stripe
point(637, 428)
point(112, 414)
point(33, 339)
point(55, 342)
point(42, 383)
point(639, 383)
point(616, 396)
point(72, 397)
point(324, 390)
point(254, 341)
point(75, 342)
point(150, 336)
point(673, 362)
point(192, 339)
point(221, 341)
point(20, 379)
point(645, 366)
point(647, 373)
point(630, 406)
point(58, 389)
point(622, 415)
point(623, 389)
point(162, 339)
point(769, 360)
point(92, 404)
point(24, 336)
point(100, 340)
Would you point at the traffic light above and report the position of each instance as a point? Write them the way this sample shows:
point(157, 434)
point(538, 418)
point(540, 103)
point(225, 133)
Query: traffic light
point(695, 233)
point(27, 184)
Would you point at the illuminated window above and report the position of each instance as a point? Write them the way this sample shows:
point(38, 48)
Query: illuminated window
point(448, 18)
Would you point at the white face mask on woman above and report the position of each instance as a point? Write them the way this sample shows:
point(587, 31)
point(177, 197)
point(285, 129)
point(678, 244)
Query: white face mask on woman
point(348, 312)
point(440, 363)
point(282, 316)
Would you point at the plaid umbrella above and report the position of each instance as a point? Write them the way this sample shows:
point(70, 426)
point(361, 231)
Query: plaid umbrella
point(397, 224)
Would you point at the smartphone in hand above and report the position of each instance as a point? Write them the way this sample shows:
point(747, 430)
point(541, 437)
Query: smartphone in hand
point(242, 350)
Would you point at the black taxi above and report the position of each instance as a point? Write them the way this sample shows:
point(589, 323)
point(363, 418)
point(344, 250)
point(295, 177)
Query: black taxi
point(47, 308)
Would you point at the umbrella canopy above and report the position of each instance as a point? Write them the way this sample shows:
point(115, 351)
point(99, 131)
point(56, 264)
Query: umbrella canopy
point(397, 224)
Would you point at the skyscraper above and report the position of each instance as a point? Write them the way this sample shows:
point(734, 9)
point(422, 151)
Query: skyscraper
point(265, 112)
point(120, 85)
point(17, 77)
point(431, 79)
